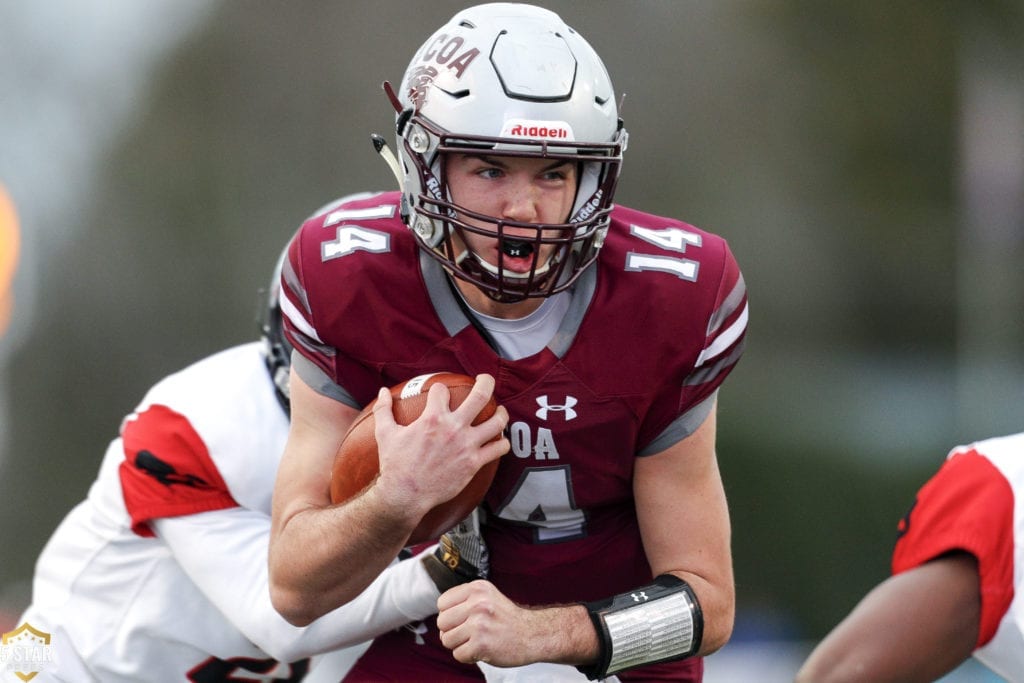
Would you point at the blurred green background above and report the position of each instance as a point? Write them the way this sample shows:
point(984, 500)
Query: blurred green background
point(864, 160)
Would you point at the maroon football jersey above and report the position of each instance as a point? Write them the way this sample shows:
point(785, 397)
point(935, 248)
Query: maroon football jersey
point(653, 329)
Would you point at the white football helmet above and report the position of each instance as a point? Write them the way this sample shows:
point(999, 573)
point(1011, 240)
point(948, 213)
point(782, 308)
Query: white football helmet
point(513, 80)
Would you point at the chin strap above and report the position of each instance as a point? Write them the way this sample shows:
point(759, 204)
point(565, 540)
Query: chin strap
point(650, 624)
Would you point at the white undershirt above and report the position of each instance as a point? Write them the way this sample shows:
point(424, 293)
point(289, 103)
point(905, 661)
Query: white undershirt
point(521, 337)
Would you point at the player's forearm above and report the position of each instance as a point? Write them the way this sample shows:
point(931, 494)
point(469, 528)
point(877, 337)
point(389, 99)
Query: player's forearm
point(323, 557)
point(401, 594)
point(562, 635)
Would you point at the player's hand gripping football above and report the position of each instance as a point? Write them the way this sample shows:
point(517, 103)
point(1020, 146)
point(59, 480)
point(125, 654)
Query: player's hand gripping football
point(431, 460)
point(460, 557)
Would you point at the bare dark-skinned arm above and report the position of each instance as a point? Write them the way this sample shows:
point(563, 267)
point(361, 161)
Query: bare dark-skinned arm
point(915, 626)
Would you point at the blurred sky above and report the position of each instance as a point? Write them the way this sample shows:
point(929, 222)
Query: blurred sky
point(72, 74)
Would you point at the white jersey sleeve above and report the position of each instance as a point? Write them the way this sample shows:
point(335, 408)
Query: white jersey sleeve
point(225, 554)
point(160, 574)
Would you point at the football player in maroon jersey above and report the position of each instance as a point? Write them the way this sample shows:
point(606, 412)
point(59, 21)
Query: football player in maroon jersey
point(604, 333)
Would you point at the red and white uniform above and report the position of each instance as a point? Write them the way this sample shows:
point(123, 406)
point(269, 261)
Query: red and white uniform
point(650, 333)
point(970, 504)
point(161, 573)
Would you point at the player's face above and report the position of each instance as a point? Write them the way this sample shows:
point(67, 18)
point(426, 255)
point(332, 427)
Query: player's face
point(525, 190)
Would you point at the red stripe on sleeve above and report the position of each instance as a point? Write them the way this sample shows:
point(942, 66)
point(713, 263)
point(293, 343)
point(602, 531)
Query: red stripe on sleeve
point(167, 471)
point(968, 506)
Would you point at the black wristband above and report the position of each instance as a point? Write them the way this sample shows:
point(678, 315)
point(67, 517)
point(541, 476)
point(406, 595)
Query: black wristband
point(442, 576)
point(448, 567)
point(659, 622)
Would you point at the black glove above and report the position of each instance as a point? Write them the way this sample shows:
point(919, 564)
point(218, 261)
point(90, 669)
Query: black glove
point(460, 557)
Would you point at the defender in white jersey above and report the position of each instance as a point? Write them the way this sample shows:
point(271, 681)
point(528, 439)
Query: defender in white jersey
point(161, 573)
point(956, 585)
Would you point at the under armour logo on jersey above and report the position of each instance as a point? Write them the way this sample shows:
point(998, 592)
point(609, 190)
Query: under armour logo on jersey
point(639, 596)
point(567, 407)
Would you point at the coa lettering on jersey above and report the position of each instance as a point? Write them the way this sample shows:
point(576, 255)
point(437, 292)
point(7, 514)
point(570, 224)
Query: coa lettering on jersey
point(526, 443)
point(669, 239)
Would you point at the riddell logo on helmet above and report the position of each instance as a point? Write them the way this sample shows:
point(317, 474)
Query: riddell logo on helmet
point(588, 209)
point(547, 130)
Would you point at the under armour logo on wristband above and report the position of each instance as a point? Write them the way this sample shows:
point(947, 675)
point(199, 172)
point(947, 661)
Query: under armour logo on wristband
point(567, 407)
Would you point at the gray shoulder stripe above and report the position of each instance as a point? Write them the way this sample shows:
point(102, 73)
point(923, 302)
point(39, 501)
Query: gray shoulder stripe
point(681, 427)
point(729, 306)
point(294, 286)
point(318, 381)
point(708, 373)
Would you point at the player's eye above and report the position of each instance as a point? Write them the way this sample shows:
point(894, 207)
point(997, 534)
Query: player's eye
point(489, 172)
point(561, 172)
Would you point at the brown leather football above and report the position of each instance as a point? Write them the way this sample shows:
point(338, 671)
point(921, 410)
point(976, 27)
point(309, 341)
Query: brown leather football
point(356, 464)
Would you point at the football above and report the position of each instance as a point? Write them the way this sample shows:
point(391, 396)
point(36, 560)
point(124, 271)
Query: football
point(356, 464)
